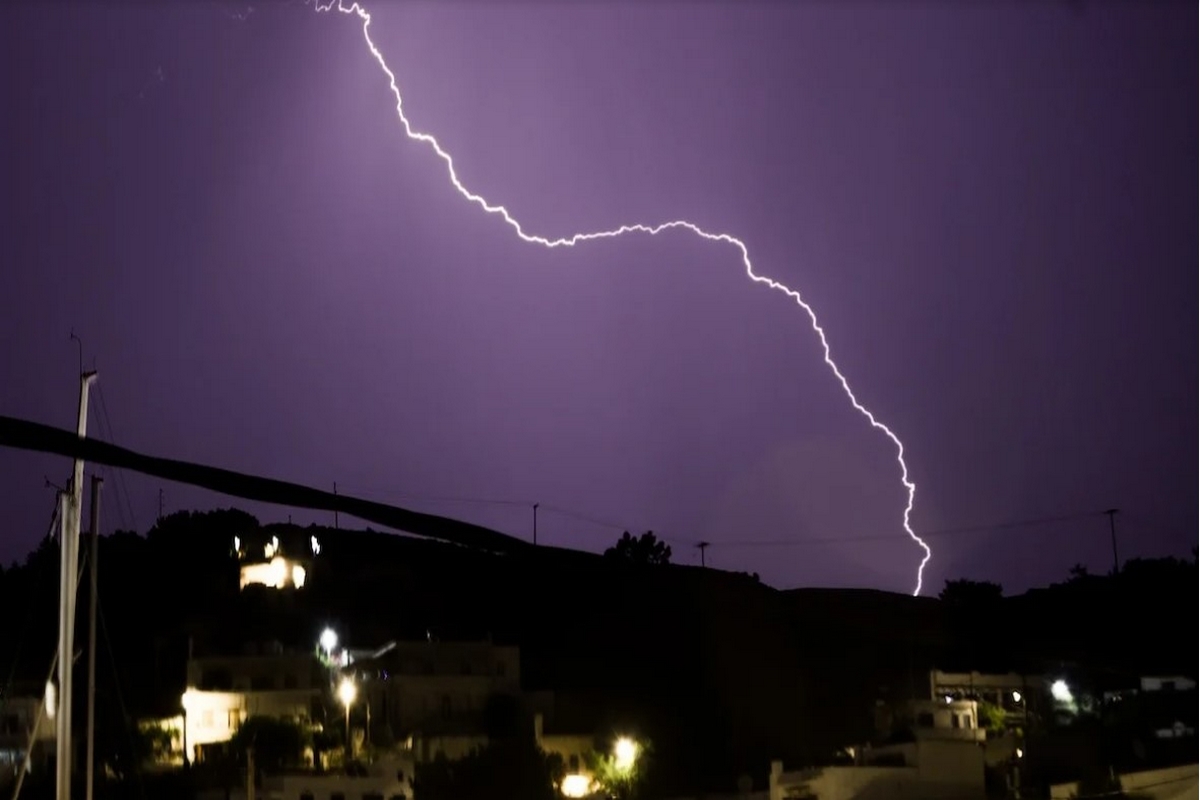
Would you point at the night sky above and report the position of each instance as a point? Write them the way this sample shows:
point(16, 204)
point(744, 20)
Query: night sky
point(991, 207)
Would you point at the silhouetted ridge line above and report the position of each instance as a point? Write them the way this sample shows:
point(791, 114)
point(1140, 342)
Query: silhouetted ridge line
point(26, 435)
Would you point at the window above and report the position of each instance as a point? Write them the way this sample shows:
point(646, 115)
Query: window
point(573, 762)
point(262, 683)
point(234, 719)
point(372, 796)
point(337, 796)
point(955, 722)
point(306, 795)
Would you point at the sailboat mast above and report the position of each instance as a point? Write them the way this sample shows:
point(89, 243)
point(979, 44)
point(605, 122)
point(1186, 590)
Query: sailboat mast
point(68, 586)
point(89, 774)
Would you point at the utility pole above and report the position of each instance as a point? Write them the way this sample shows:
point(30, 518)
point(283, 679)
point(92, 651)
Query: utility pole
point(71, 509)
point(1112, 528)
point(335, 513)
point(535, 508)
point(703, 546)
point(93, 572)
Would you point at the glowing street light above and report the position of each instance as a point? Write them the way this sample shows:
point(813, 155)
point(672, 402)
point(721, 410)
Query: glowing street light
point(346, 692)
point(1016, 697)
point(1061, 692)
point(625, 752)
point(329, 640)
point(576, 785)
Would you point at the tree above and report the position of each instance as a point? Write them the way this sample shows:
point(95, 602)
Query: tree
point(968, 592)
point(621, 775)
point(506, 769)
point(277, 744)
point(991, 717)
point(644, 549)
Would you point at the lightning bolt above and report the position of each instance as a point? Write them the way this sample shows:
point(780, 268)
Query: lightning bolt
point(355, 9)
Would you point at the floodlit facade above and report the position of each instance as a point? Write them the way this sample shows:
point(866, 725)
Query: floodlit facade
point(267, 564)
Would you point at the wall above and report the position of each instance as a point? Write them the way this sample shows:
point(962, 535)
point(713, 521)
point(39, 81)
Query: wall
point(452, 747)
point(256, 672)
point(568, 747)
point(388, 778)
point(945, 770)
point(1173, 783)
point(846, 783)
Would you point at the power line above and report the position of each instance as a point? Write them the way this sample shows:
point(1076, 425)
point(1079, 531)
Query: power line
point(996, 526)
point(429, 498)
point(781, 542)
point(119, 475)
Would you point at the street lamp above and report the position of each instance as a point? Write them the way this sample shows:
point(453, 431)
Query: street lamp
point(347, 691)
point(329, 640)
point(625, 752)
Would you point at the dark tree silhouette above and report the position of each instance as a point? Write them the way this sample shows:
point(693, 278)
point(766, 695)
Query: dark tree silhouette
point(277, 744)
point(507, 769)
point(968, 592)
point(644, 549)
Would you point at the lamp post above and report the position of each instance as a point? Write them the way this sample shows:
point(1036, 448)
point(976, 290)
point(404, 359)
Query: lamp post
point(625, 753)
point(329, 640)
point(347, 691)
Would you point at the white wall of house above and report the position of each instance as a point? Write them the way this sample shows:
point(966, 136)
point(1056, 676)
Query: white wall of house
point(1173, 783)
point(933, 770)
point(214, 717)
point(390, 779)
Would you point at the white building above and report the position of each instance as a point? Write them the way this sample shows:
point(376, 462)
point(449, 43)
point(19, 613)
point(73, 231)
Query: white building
point(945, 719)
point(17, 716)
point(223, 692)
point(438, 691)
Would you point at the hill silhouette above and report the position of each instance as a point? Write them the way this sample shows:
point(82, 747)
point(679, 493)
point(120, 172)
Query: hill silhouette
point(722, 672)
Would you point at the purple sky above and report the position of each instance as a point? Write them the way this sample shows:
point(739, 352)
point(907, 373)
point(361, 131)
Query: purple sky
point(992, 210)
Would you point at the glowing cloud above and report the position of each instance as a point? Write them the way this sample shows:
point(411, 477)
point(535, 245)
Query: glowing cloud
point(364, 17)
